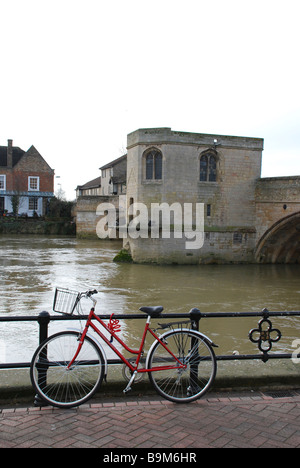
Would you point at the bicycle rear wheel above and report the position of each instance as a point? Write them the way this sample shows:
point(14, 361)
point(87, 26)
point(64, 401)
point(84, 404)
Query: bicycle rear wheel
point(195, 353)
point(62, 387)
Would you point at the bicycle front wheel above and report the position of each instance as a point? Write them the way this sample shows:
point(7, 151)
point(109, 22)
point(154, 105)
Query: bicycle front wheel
point(54, 382)
point(182, 385)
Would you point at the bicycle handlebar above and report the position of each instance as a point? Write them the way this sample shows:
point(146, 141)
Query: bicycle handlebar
point(89, 293)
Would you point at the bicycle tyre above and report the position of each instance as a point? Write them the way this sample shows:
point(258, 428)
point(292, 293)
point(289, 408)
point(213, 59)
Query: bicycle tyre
point(193, 350)
point(58, 386)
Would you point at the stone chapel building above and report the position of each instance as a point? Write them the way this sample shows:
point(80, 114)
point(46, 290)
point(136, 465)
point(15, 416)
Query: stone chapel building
point(216, 170)
point(247, 218)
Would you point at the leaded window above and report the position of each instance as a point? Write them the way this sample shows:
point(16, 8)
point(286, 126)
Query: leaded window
point(154, 165)
point(208, 168)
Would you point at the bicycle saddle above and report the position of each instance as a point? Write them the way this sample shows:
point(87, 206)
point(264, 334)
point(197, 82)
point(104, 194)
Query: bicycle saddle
point(152, 311)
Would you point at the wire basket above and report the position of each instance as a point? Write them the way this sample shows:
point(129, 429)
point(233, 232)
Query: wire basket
point(65, 301)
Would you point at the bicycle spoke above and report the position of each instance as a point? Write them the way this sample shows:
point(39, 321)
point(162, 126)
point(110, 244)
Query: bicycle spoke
point(59, 385)
point(182, 384)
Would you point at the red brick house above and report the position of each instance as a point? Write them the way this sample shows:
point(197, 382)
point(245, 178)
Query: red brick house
point(26, 179)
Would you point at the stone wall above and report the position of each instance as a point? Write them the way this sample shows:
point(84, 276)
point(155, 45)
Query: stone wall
point(219, 248)
point(86, 213)
point(229, 201)
point(31, 226)
point(275, 199)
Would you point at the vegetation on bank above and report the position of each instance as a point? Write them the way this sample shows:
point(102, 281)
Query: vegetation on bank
point(123, 257)
point(58, 221)
point(59, 208)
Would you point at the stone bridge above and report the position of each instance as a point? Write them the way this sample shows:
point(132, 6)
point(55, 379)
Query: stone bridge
point(278, 220)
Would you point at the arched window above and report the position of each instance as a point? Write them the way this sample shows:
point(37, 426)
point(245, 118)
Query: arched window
point(212, 169)
point(149, 166)
point(153, 165)
point(208, 168)
point(203, 168)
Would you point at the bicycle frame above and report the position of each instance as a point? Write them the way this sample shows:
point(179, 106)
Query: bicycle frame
point(139, 352)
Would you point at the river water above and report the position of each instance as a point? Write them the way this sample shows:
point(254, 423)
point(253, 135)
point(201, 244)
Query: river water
point(31, 267)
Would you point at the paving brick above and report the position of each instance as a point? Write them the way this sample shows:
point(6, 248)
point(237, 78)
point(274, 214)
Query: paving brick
point(220, 421)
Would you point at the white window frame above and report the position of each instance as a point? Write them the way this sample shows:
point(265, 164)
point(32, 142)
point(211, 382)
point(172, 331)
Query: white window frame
point(35, 202)
point(31, 179)
point(3, 178)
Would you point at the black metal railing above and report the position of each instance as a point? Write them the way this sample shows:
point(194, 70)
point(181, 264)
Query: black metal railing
point(264, 335)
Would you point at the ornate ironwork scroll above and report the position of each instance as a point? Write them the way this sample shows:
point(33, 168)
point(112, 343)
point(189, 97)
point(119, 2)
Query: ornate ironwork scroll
point(265, 335)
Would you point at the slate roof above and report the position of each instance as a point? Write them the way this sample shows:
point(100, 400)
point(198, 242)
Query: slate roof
point(114, 162)
point(17, 155)
point(91, 184)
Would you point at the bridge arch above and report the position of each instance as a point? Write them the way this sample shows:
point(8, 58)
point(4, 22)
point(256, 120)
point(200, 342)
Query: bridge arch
point(281, 243)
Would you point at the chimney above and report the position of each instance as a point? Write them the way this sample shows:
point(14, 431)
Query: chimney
point(9, 153)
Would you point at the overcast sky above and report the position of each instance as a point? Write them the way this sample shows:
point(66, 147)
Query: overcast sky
point(78, 75)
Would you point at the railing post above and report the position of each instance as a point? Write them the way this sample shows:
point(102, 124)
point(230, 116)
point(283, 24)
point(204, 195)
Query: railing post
point(195, 316)
point(43, 321)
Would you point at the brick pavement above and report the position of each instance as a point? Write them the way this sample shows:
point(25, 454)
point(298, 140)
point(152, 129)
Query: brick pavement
point(223, 420)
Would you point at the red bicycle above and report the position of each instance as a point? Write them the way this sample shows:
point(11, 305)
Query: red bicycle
point(69, 367)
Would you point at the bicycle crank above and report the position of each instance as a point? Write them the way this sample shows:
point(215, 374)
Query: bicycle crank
point(127, 374)
point(128, 387)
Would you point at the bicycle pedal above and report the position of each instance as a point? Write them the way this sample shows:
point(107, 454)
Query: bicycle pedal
point(127, 389)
